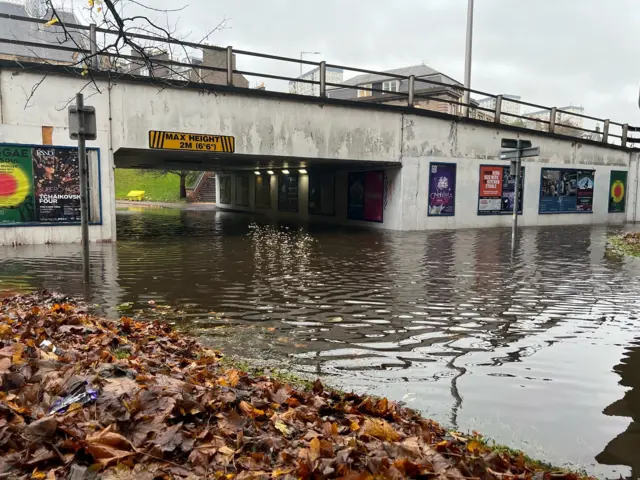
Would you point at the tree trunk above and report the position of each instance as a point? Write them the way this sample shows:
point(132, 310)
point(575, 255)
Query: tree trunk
point(183, 185)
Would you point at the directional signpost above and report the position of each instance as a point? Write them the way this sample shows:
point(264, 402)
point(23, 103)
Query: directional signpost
point(515, 149)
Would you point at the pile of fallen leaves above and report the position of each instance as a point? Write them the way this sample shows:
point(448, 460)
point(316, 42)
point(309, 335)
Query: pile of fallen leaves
point(164, 407)
point(631, 238)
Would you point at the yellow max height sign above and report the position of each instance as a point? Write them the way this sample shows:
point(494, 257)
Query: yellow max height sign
point(191, 141)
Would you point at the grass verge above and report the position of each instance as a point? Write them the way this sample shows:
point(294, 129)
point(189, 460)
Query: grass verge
point(157, 187)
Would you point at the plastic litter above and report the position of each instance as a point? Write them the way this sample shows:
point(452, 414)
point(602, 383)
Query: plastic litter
point(47, 346)
point(81, 394)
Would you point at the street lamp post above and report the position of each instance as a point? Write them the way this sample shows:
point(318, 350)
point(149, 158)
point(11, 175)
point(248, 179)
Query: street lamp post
point(301, 55)
point(467, 59)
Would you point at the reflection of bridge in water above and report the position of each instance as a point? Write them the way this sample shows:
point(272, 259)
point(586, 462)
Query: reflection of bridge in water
point(520, 348)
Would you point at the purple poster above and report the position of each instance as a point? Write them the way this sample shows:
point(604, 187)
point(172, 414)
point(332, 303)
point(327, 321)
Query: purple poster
point(442, 189)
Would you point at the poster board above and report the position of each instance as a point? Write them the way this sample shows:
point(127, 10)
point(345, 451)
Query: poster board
point(496, 191)
point(40, 185)
point(617, 191)
point(225, 189)
point(566, 190)
point(365, 196)
point(242, 190)
point(442, 189)
point(263, 191)
point(288, 193)
point(322, 194)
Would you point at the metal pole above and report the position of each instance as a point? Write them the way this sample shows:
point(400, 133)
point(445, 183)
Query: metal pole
point(93, 40)
point(412, 89)
point(467, 60)
point(323, 79)
point(229, 65)
point(498, 112)
point(516, 198)
point(552, 119)
point(84, 210)
point(605, 131)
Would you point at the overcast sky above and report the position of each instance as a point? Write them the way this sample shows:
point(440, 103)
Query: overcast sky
point(552, 52)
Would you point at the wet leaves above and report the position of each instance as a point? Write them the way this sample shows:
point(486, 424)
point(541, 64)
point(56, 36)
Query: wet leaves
point(167, 409)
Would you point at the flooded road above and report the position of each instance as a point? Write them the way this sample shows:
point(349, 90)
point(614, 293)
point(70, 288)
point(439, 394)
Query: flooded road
point(540, 350)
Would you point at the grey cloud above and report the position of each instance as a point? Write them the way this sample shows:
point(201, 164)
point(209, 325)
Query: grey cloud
point(583, 52)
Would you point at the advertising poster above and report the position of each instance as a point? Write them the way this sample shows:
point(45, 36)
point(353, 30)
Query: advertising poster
point(263, 191)
point(39, 185)
point(442, 189)
point(355, 202)
point(17, 203)
point(584, 201)
point(566, 190)
point(373, 196)
point(497, 190)
point(242, 190)
point(322, 197)
point(617, 191)
point(288, 193)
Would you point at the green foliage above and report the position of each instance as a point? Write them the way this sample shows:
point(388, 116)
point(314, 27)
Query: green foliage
point(158, 187)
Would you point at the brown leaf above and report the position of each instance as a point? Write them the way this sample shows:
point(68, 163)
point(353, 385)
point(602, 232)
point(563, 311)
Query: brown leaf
point(377, 428)
point(42, 429)
point(250, 410)
point(107, 446)
point(5, 365)
point(233, 377)
point(169, 439)
point(320, 449)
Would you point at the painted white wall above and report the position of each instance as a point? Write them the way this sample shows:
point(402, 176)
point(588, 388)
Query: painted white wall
point(269, 126)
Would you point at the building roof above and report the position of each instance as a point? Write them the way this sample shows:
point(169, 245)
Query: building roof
point(504, 96)
point(417, 70)
point(570, 108)
point(38, 33)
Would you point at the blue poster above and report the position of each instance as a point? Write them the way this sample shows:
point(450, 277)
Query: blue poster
point(564, 190)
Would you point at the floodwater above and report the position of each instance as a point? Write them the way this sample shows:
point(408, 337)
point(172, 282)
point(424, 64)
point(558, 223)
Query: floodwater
point(539, 350)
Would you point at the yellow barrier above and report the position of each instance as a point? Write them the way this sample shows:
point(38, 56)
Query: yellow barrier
point(137, 195)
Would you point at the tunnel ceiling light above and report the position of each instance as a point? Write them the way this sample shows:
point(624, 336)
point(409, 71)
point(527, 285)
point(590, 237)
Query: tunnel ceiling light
point(303, 171)
point(285, 172)
point(270, 172)
point(257, 172)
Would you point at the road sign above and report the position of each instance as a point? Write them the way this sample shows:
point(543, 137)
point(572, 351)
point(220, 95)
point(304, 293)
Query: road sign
point(525, 152)
point(513, 143)
point(191, 141)
point(90, 131)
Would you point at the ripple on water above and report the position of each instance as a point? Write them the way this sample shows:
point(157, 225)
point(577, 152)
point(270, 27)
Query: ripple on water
point(528, 348)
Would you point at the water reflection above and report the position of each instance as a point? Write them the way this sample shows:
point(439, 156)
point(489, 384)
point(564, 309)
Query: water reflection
point(518, 346)
point(624, 449)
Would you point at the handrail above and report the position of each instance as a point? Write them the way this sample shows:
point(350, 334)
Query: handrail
point(412, 94)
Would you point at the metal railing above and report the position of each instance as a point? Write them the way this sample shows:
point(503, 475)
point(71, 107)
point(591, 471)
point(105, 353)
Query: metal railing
point(420, 92)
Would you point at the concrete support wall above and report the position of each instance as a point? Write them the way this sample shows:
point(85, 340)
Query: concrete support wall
point(22, 119)
point(273, 129)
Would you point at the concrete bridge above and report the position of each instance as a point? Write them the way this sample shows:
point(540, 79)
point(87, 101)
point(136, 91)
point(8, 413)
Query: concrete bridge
point(274, 132)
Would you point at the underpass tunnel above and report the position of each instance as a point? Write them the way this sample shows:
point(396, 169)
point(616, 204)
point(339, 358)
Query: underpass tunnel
point(309, 189)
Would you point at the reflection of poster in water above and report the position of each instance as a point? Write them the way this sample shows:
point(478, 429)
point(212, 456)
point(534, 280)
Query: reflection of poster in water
point(497, 190)
point(288, 193)
point(322, 194)
point(242, 190)
point(355, 194)
point(373, 196)
point(17, 203)
point(56, 178)
point(566, 190)
point(617, 191)
point(225, 189)
point(442, 189)
point(263, 191)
